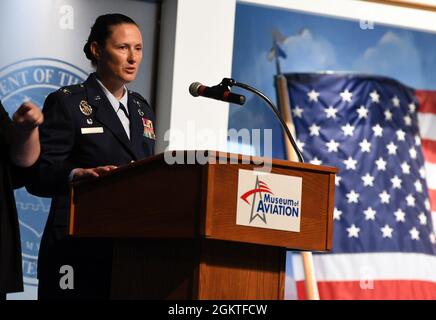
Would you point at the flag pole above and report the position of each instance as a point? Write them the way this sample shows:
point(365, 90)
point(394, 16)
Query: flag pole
point(285, 109)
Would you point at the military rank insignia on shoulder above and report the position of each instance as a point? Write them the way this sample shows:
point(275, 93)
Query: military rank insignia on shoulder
point(72, 89)
point(64, 90)
point(138, 99)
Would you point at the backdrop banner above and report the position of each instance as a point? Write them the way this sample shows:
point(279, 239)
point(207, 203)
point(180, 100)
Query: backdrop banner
point(42, 45)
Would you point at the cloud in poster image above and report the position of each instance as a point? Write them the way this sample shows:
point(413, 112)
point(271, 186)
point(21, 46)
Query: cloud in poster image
point(305, 52)
point(404, 58)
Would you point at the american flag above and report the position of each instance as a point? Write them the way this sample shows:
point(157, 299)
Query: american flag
point(384, 243)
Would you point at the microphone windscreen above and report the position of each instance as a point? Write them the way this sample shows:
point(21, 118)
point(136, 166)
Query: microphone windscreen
point(193, 89)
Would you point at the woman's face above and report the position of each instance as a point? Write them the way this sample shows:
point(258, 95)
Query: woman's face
point(119, 60)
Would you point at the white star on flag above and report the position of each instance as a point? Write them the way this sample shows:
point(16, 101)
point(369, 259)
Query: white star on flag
point(368, 180)
point(422, 172)
point(427, 204)
point(348, 129)
point(422, 218)
point(388, 115)
point(400, 135)
point(375, 97)
point(392, 148)
point(417, 140)
point(353, 231)
point(365, 146)
point(378, 130)
point(332, 146)
point(352, 196)
point(369, 214)
point(363, 112)
point(331, 112)
point(412, 107)
point(418, 186)
point(414, 233)
point(384, 197)
point(298, 112)
point(314, 130)
point(313, 95)
point(396, 101)
point(337, 214)
point(413, 153)
point(396, 182)
point(387, 231)
point(410, 199)
point(381, 164)
point(346, 96)
point(350, 163)
point(407, 120)
point(400, 215)
point(405, 168)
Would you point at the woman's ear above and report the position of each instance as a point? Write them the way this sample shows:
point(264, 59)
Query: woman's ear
point(95, 50)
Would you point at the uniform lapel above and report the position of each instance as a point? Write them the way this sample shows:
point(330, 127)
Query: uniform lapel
point(105, 113)
point(136, 126)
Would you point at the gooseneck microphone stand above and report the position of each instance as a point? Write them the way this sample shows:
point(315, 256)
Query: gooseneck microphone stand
point(228, 82)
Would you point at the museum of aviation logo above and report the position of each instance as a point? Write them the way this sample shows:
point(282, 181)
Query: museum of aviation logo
point(33, 79)
point(270, 201)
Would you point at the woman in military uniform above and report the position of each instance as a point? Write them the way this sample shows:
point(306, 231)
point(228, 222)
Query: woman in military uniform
point(89, 129)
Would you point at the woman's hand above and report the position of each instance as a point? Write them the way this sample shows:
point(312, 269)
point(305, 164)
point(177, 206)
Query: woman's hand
point(28, 116)
point(80, 173)
point(26, 148)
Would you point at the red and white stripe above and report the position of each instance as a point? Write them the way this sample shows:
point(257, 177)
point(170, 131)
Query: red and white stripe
point(427, 127)
point(378, 276)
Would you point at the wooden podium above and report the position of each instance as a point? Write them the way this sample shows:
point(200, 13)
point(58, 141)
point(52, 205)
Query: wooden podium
point(175, 233)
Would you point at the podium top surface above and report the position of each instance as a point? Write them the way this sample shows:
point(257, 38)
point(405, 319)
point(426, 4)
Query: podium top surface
point(180, 157)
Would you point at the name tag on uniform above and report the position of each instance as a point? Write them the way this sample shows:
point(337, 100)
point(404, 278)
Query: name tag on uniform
point(92, 130)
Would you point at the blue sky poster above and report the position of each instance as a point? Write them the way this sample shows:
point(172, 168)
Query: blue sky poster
point(316, 43)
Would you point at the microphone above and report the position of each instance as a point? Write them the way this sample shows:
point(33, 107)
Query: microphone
point(218, 92)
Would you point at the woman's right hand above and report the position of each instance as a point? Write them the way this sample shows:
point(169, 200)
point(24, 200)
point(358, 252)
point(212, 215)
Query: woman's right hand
point(80, 173)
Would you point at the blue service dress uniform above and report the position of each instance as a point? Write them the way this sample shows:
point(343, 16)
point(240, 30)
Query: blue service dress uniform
point(82, 130)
